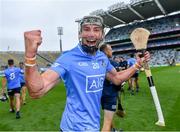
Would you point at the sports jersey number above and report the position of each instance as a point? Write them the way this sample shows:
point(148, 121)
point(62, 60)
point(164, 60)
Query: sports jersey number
point(95, 65)
point(12, 76)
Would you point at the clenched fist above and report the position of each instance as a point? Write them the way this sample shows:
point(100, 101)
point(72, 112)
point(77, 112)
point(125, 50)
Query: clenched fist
point(143, 58)
point(32, 40)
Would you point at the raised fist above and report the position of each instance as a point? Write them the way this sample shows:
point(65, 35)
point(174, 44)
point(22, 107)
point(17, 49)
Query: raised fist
point(32, 40)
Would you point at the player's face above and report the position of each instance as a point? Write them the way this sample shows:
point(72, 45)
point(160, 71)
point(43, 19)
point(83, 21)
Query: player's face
point(117, 59)
point(91, 34)
point(21, 65)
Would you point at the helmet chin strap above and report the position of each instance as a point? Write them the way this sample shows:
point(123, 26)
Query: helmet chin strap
point(90, 49)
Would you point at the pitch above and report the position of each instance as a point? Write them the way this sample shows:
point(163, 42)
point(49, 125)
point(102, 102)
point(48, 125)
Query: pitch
point(45, 113)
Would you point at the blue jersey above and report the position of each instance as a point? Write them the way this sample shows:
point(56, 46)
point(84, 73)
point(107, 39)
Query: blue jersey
point(12, 77)
point(131, 61)
point(110, 90)
point(22, 80)
point(83, 76)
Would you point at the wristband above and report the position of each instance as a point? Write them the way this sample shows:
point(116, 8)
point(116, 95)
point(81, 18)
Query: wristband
point(27, 58)
point(29, 65)
point(30, 62)
point(137, 66)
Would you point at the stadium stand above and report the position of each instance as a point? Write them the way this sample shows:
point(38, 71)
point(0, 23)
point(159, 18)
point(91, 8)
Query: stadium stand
point(157, 26)
point(160, 17)
point(19, 56)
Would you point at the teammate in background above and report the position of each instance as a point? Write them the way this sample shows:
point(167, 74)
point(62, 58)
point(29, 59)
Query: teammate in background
point(12, 78)
point(109, 94)
point(123, 63)
point(116, 59)
point(83, 70)
point(122, 66)
point(133, 81)
point(23, 85)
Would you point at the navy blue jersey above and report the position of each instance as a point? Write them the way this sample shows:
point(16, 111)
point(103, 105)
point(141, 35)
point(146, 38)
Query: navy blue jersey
point(123, 64)
point(83, 76)
point(109, 89)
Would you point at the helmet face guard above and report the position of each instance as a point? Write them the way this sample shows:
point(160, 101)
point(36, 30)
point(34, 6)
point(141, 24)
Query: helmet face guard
point(91, 20)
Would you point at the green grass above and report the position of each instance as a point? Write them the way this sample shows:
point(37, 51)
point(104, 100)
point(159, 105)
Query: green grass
point(45, 113)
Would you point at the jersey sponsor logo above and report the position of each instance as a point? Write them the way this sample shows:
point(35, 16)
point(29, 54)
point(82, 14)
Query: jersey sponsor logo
point(82, 64)
point(94, 83)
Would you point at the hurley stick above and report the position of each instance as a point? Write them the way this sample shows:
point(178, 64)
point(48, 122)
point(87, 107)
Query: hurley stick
point(45, 58)
point(139, 38)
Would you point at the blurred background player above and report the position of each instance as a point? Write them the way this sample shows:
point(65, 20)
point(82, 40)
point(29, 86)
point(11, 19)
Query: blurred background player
point(109, 94)
point(3, 95)
point(23, 85)
point(133, 81)
point(12, 78)
point(123, 64)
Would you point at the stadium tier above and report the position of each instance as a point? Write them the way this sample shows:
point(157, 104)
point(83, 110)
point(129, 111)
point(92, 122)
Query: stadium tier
point(170, 24)
point(19, 56)
point(163, 42)
point(160, 17)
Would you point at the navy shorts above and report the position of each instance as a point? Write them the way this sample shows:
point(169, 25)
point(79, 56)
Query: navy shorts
point(109, 103)
point(11, 92)
point(135, 75)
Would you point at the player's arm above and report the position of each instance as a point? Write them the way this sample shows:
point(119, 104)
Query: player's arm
point(37, 84)
point(119, 77)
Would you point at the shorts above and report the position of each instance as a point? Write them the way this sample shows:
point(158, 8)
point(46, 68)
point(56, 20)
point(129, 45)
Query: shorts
point(22, 84)
point(11, 92)
point(109, 103)
point(135, 75)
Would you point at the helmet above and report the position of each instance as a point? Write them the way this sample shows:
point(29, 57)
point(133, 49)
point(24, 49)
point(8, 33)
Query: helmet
point(95, 20)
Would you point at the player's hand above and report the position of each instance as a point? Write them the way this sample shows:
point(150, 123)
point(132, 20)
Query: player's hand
point(32, 40)
point(143, 58)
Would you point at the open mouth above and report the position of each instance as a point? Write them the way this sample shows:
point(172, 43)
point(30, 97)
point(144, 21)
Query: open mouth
point(91, 42)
